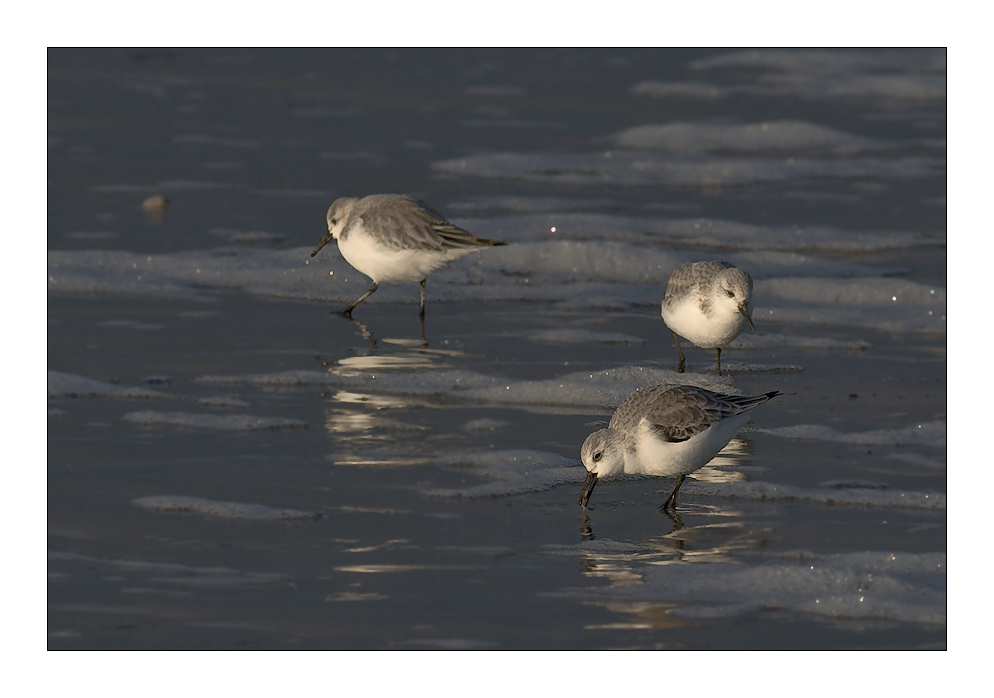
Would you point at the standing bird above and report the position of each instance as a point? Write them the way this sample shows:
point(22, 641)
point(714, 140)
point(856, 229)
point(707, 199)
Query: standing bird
point(708, 303)
point(665, 430)
point(395, 239)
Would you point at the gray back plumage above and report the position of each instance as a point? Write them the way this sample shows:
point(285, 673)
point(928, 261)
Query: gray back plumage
point(401, 222)
point(679, 412)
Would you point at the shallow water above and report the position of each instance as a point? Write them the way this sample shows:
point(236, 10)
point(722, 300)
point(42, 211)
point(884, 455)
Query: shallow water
point(232, 466)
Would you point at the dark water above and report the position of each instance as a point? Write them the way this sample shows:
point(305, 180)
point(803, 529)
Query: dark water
point(249, 141)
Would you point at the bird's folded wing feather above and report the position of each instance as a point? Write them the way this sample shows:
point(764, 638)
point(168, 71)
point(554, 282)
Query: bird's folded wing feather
point(679, 419)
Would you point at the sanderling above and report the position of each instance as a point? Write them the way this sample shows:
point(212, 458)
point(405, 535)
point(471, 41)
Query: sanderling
point(665, 430)
point(708, 303)
point(395, 239)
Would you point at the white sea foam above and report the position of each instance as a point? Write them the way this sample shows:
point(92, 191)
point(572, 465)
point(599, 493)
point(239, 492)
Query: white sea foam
point(734, 235)
point(571, 272)
point(829, 61)
point(880, 293)
point(852, 493)
point(803, 239)
point(94, 271)
point(222, 401)
point(226, 422)
point(614, 168)
point(248, 236)
point(881, 90)
point(862, 586)
point(70, 385)
point(169, 573)
point(920, 434)
point(766, 137)
point(895, 305)
point(681, 89)
point(880, 78)
point(575, 336)
point(525, 204)
point(768, 340)
point(583, 389)
point(220, 509)
point(485, 424)
point(885, 79)
point(510, 472)
point(515, 471)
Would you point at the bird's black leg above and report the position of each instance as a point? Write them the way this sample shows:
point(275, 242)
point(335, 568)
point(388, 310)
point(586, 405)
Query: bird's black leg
point(683, 360)
point(421, 317)
point(424, 337)
point(348, 311)
point(717, 353)
point(671, 500)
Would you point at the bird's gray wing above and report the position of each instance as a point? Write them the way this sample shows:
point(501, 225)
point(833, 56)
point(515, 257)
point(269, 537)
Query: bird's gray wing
point(737, 404)
point(675, 413)
point(679, 412)
point(401, 222)
point(395, 221)
point(682, 412)
point(451, 236)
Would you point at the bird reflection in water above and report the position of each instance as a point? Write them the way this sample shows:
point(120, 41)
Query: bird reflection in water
point(625, 562)
point(411, 355)
point(367, 334)
point(622, 561)
point(366, 429)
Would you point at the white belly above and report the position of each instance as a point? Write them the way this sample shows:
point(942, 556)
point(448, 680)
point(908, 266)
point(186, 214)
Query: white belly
point(390, 265)
point(706, 332)
point(656, 457)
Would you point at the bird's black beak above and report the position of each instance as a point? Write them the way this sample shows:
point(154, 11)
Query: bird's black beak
point(588, 487)
point(324, 241)
point(742, 308)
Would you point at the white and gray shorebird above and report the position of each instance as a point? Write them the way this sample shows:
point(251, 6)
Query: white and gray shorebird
point(395, 239)
point(665, 430)
point(709, 304)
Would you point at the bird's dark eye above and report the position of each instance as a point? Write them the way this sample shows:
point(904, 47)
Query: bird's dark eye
point(731, 294)
point(598, 456)
point(334, 221)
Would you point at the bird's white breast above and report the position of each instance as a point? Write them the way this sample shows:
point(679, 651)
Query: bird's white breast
point(707, 332)
point(388, 264)
point(653, 456)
